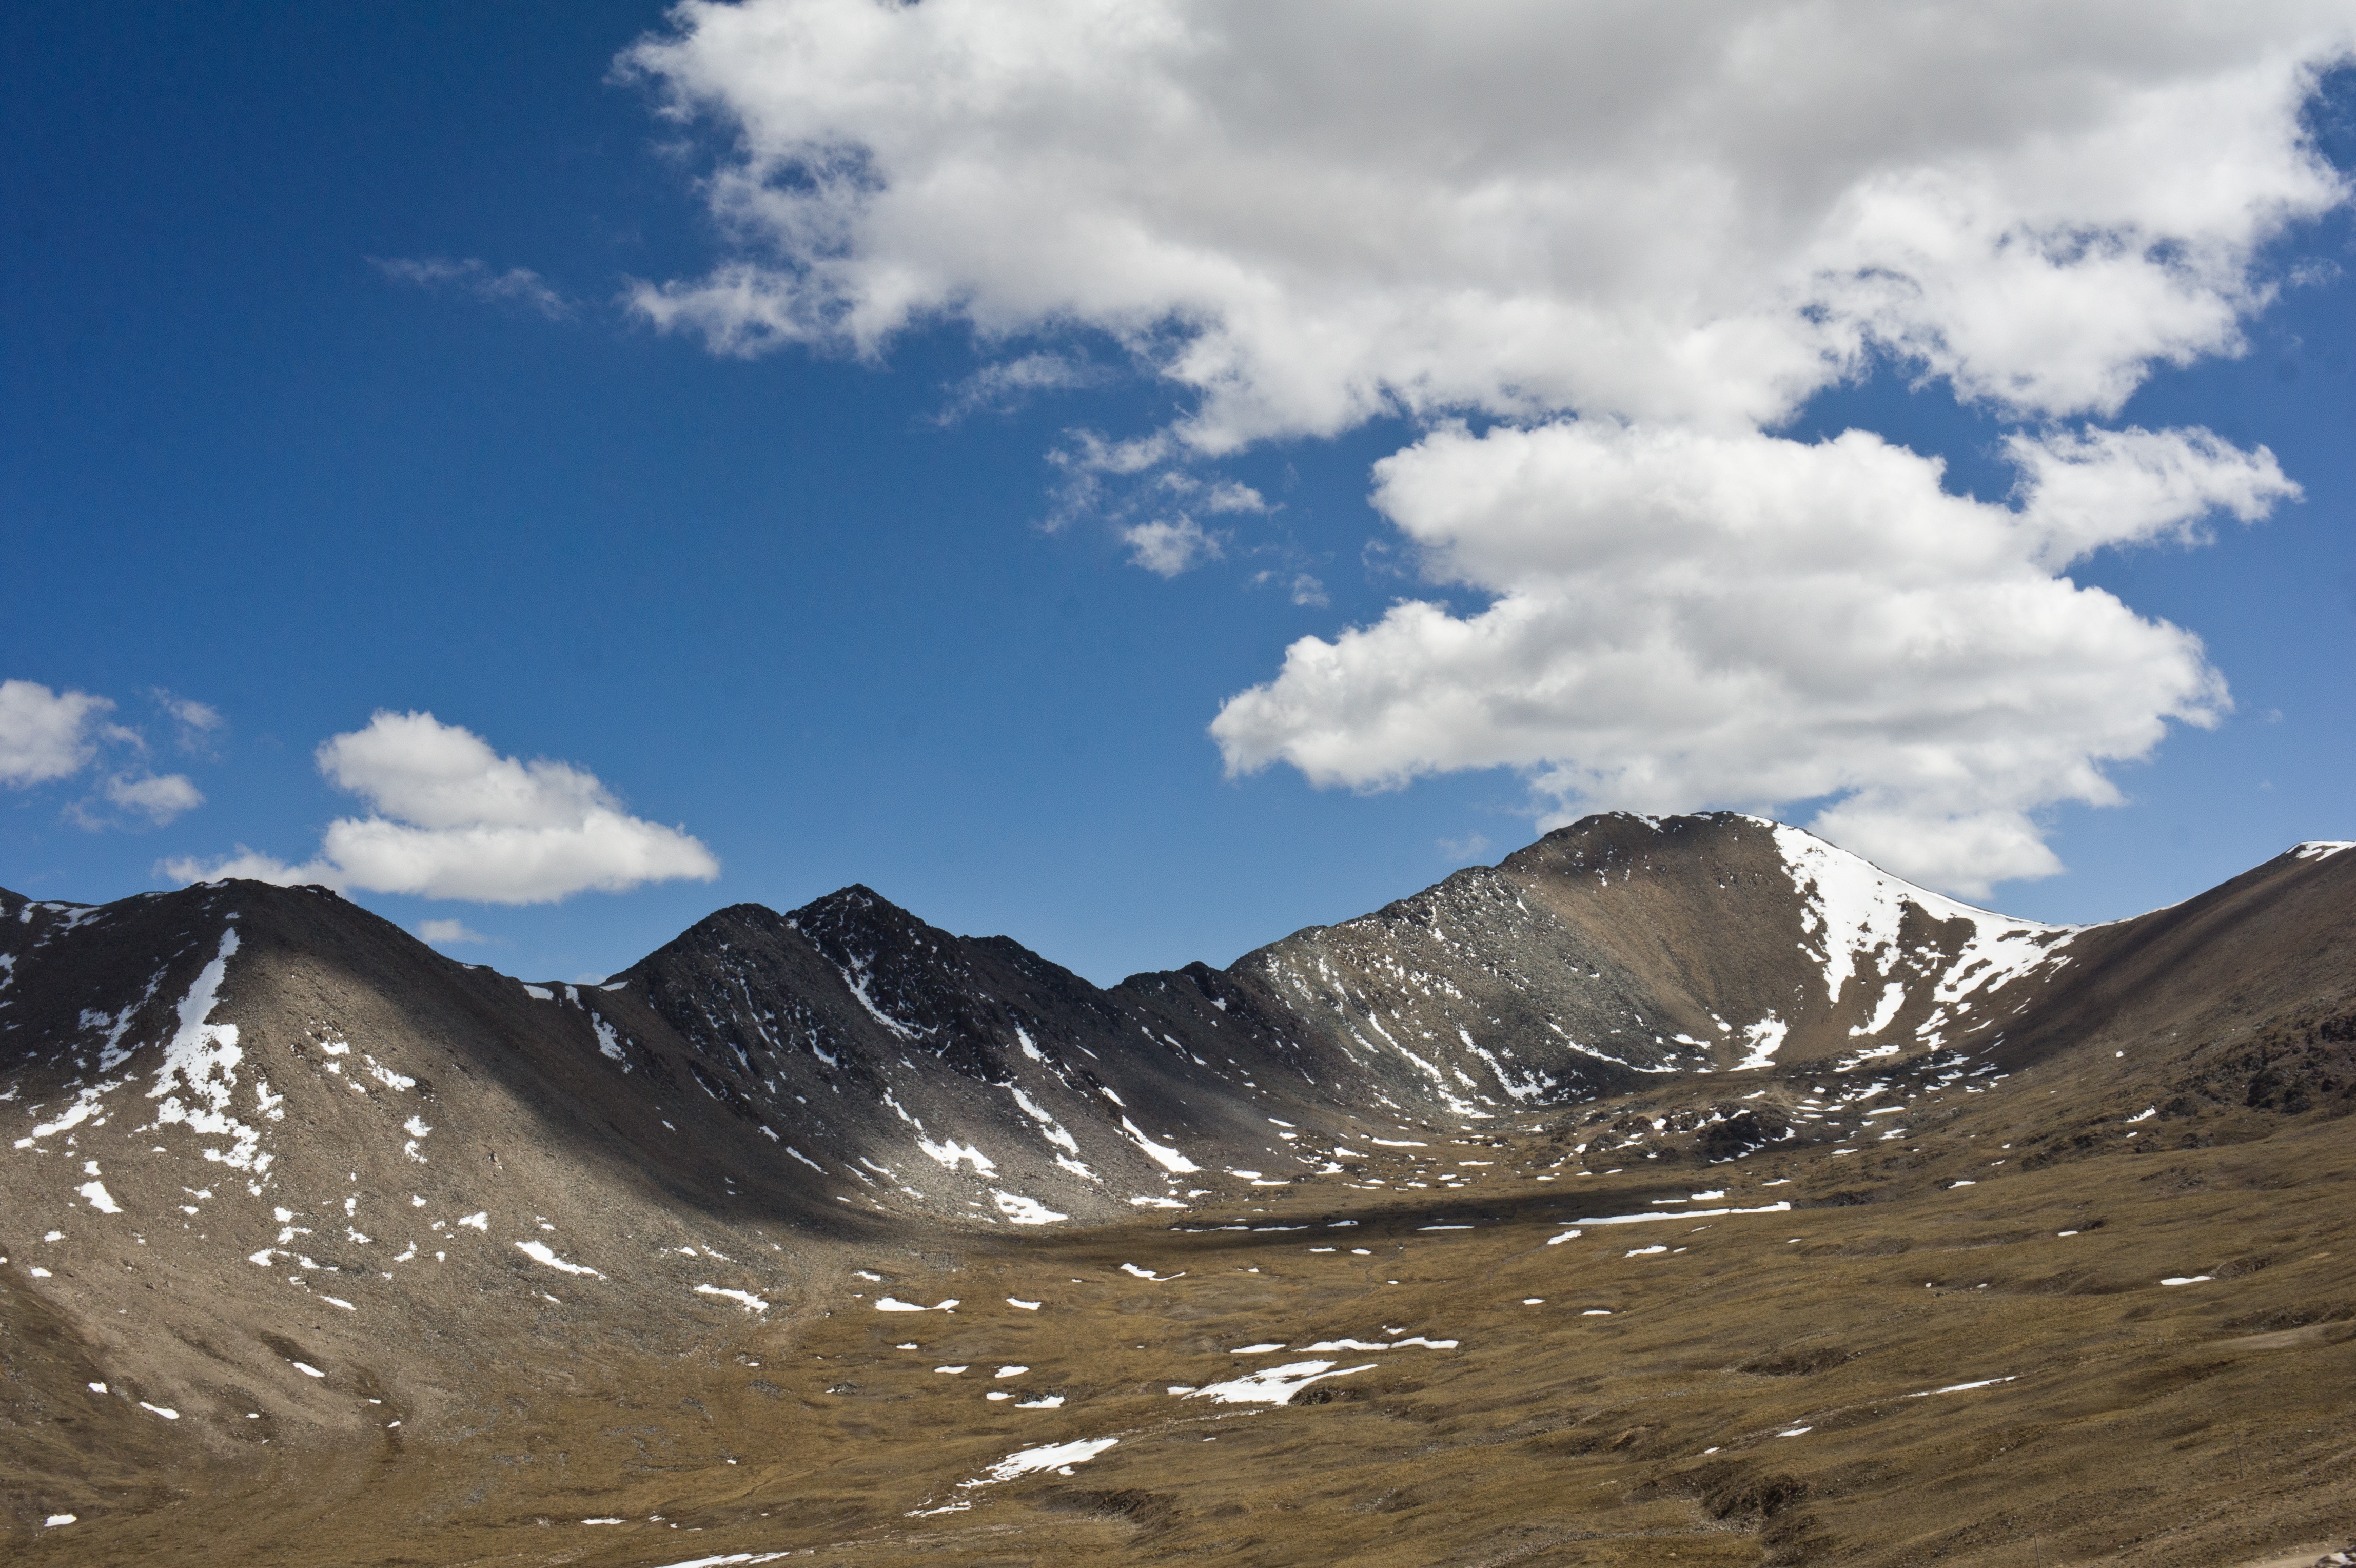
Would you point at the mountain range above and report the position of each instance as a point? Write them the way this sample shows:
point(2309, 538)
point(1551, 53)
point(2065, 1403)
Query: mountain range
point(323, 1247)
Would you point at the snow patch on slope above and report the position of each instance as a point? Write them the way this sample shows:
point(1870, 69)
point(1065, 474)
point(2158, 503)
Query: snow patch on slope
point(1168, 1158)
point(202, 1058)
point(1763, 1038)
point(1854, 912)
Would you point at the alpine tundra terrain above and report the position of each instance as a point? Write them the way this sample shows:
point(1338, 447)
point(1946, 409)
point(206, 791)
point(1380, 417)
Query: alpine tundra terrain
point(1679, 1190)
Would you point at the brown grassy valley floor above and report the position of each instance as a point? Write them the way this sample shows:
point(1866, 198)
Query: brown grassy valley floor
point(1756, 1393)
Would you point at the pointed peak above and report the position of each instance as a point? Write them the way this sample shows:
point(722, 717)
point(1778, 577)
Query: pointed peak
point(857, 907)
point(857, 923)
point(856, 896)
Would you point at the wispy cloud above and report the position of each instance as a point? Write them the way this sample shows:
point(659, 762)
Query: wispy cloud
point(1471, 846)
point(197, 725)
point(517, 285)
point(1008, 384)
point(1304, 588)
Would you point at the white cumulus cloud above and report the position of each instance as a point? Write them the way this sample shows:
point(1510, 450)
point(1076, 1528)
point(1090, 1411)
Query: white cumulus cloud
point(1677, 618)
point(451, 933)
point(1699, 212)
point(451, 818)
point(1643, 237)
point(47, 734)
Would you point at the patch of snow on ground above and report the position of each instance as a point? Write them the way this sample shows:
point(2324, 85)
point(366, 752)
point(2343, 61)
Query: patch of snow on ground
point(1960, 1388)
point(100, 1198)
point(1055, 1457)
point(1273, 1385)
point(84, 1107)
point(1025, 1306)
point(1854, 910)
point(948, 1151)
point(1764, 1038)
point(1021, 1210)
point(743, 1298)
point(2322, 849)
point(1894, 996)
point(1168, 1158)
point(855, 978)
point(1850, 909)
point(1045, 1402)
point(1149, 1274)
point(539, 1253)
point(202, 1058)
point(1387, 1344)
point(1681, 1214)
point(1051, 1129)
point(399, 1082)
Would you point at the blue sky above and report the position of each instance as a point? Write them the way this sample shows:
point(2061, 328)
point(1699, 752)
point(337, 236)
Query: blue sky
point(834, 609)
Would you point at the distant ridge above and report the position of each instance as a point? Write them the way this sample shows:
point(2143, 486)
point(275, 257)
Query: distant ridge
point(847, 1059)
